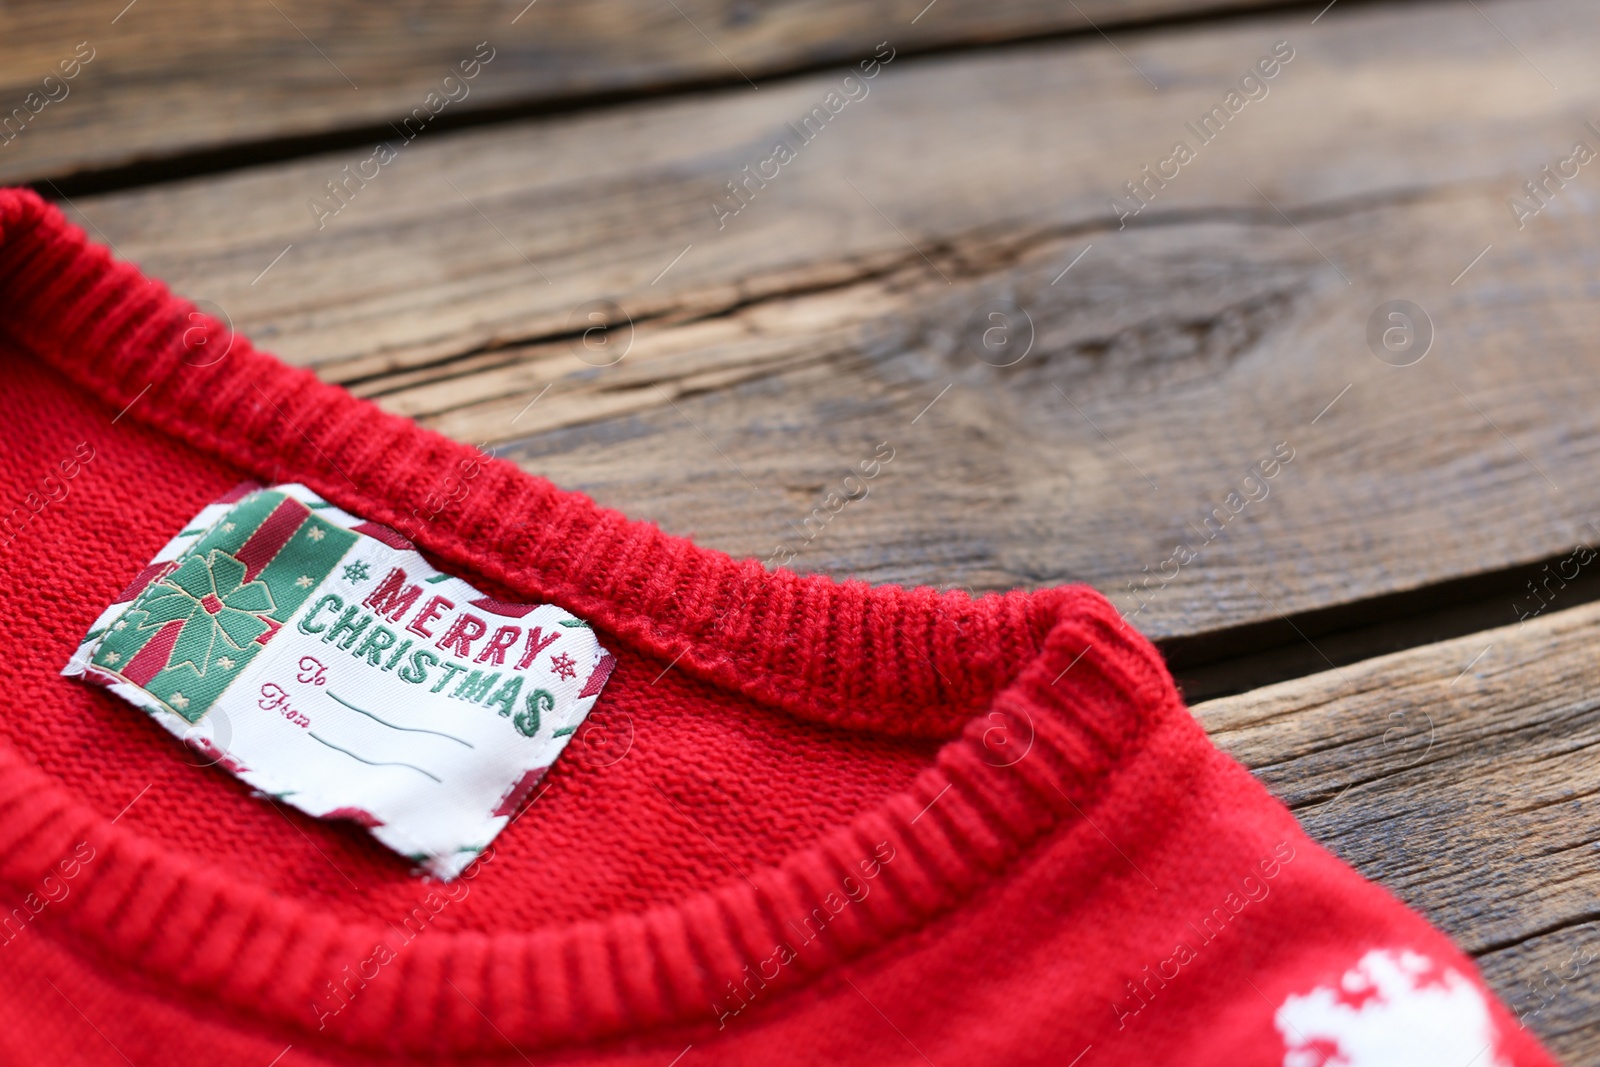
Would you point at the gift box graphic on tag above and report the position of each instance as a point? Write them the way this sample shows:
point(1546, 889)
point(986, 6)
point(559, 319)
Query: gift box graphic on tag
point(206, 616)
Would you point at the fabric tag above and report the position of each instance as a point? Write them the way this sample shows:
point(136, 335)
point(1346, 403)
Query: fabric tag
point(321, 659)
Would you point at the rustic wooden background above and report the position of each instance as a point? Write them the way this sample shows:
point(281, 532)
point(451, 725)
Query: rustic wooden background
point(1397, 637)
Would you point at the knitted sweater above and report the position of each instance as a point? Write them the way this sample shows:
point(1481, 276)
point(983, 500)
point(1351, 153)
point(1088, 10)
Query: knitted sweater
point(808, 822)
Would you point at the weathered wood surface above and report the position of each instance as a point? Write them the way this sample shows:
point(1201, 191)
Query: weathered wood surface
point(846, 306)
point(1171, 359)
point(1461, 776)
point(176, 76)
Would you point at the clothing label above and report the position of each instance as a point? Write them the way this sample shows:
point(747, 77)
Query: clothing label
point(321, 659)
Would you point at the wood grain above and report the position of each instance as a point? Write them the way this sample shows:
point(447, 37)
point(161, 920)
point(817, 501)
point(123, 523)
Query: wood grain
point(1462, 777)
point(176, 76)
point(846, 304)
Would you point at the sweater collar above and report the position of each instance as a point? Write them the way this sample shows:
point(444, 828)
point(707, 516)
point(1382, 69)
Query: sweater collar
point(1038, 697)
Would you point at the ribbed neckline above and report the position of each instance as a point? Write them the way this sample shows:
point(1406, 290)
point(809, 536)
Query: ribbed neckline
point(1052, 674)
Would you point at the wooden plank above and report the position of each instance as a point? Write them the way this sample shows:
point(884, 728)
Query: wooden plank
point(183, 76)
point(846, 304)
point(1462, 777)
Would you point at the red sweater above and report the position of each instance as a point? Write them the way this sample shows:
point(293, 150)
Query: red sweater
point(808, 821)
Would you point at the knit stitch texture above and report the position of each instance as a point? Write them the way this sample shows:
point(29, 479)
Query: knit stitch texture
point(810, 822)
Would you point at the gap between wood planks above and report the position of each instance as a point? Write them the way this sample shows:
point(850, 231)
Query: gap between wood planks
point(1241, 658)
point(243, 155)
